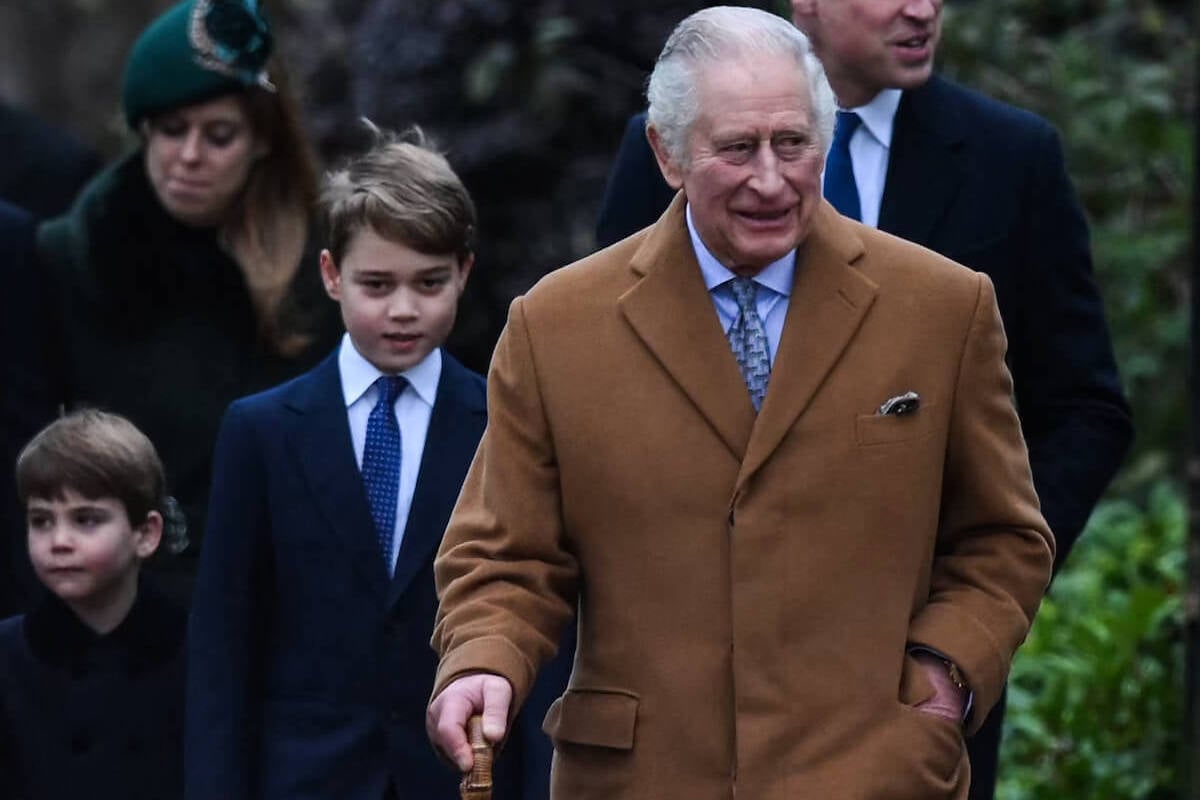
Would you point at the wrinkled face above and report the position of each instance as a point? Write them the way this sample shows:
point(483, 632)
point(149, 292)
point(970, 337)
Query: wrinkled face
point(86, 551)
point(752, 175)
point(870, 45)
point(199, 157)
point(397, 304)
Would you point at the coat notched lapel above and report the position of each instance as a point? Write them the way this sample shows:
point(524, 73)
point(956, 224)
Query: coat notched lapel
point(924, 168)
point(671, 312)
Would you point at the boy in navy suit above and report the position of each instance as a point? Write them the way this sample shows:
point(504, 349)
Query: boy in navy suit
point(309, 661)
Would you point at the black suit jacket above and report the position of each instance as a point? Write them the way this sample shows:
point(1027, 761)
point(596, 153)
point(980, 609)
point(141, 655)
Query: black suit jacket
point(309, 669)
point(985, 184)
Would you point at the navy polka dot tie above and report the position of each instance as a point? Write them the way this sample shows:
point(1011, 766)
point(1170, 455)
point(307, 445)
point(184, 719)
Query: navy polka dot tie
point(381, 462)
point(748, 338)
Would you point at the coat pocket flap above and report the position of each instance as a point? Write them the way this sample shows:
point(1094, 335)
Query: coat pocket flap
point(598, 717)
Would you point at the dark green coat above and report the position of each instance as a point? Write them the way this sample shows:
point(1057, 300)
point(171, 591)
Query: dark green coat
point(152, 319)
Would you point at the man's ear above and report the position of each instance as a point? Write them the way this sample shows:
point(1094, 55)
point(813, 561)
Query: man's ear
point(671, 171)
point(802, 10)
point(331, 276)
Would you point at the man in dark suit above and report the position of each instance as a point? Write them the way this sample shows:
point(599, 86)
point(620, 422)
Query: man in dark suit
point(43, 168)
point(24, 407)
point(985, 184)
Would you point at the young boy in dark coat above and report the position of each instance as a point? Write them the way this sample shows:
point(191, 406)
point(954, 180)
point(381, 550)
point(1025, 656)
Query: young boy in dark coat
point(310, 664)
point(91, 680)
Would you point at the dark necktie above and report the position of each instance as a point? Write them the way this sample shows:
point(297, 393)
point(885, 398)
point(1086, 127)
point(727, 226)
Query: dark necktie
point(748, 338)
point(840, 189)
point(381, 462)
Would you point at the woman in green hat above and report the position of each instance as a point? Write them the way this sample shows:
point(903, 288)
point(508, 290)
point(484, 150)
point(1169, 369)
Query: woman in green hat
point(185, 275)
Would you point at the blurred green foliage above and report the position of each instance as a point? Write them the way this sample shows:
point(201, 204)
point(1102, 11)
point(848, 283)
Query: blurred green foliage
point(1096, 695)
point(1095, 707)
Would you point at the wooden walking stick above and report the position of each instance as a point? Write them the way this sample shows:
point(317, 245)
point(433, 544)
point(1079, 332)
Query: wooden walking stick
point(477, 784)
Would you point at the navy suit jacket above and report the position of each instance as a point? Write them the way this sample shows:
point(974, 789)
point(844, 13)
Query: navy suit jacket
point(985, 184)
point(309, 670)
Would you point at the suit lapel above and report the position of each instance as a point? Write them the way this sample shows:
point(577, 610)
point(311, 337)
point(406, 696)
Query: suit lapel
point(321, 438)
point(457, 422)
point(828, 303)
point(671, 312)
point(924, 171)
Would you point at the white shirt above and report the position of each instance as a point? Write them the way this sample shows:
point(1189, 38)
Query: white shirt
point(771, 299)
point(413, 408)
point(869, 149)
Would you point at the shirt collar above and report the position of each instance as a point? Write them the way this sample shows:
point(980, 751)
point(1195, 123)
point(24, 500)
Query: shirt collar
point(358, 374)
point(776, 276)
point(879, 115)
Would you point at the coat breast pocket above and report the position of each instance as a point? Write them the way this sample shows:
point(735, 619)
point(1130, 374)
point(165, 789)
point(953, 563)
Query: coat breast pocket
point(873, 430)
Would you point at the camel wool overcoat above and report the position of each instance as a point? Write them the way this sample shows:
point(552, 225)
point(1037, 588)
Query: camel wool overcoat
point(749, 586)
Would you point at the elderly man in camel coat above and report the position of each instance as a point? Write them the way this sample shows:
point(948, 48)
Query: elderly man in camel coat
point(770, 454)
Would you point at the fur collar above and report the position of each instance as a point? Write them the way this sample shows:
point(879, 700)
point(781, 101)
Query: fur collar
point(151, 633)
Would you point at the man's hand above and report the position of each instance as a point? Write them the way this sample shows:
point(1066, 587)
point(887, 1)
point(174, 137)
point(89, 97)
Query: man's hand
point(446, 718)
point(948, 701)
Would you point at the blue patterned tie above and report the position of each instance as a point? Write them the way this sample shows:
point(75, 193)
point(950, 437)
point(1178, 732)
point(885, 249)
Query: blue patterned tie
point(381, 462)
point(840, 189)
point(748, 338)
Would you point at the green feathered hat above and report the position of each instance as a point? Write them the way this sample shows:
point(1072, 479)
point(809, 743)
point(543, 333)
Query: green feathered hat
point(195, 51)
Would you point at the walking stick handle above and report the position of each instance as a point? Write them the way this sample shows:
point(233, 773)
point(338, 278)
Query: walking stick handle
point(477, 784)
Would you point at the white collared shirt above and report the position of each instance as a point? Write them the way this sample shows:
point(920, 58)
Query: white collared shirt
point(413, 409)
point(869, 149)
point(774, 289)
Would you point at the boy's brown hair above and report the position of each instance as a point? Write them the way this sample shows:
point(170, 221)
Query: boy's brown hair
point(405, 191)
point(97, 455)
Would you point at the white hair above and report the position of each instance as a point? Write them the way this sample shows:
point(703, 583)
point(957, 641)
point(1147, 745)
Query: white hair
point(721, 34)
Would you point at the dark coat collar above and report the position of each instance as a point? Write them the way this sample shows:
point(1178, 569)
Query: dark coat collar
point(126, 253)
point(151, 632)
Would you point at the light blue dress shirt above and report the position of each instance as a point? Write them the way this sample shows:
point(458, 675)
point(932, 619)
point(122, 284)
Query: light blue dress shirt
point(774, 289)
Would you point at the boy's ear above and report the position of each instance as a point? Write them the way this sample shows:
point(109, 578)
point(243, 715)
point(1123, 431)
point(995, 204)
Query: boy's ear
point(331, 276)
point(464, 270)
point(149, 535)
point(671, 172)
